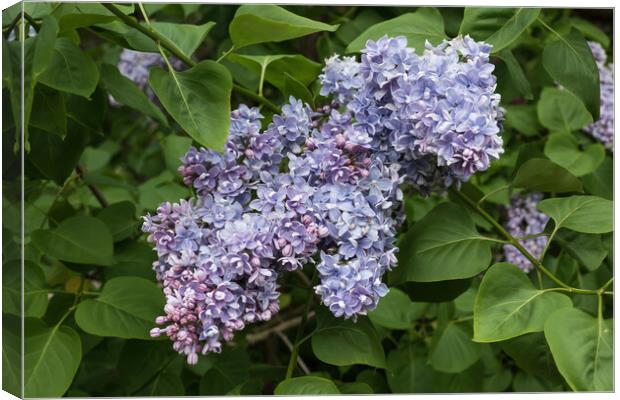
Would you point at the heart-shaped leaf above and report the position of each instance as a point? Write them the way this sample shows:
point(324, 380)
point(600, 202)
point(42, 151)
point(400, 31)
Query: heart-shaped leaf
point(508, 304)
point(564, 149)
point(587, 214)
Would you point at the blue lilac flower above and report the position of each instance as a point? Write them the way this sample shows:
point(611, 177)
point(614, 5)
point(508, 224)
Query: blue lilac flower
point(523, 219)
point(603, 128)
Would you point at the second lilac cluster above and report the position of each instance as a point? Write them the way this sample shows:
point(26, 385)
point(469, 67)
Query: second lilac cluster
point(435, 114)
point(524, 219)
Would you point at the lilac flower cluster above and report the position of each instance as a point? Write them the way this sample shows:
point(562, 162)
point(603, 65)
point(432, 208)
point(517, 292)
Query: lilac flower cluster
point(525, 220)
point(435, 114)
point(603, 129)
point(319, 187)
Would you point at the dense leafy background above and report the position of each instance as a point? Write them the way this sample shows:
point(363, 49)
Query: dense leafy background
point(450, 323)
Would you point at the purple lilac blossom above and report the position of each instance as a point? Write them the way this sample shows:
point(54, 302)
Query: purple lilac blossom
point(435, 114)
point(525, 220)
point(603, 129)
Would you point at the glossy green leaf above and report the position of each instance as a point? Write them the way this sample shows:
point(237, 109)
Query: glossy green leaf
point(587, 214)
point(70, 70)
point(49, 112)
point(508, 304)
point(591, 31)
point(516, 73)
point(570, 63)
point(357, 342)
point(120, 219)
point(132, 259)
point(418, 27)
point(588, 249)
point(408, 371)
point(582, 347)
point(51, 358)
point(127, 308)
point(126, 92)
point(258, 23)
point(292, 87)
point(499, 27)
point(80, 239)
point(565, 150)
point(538, 174)
point(355, 388)
point(227, 370)
point(453, 350)
point(198, 99)
point(531, 353)
point(306, 385)
point(141, 360)
point(174, 148)
point(435, 292)
point(396, 311)
point(166, 383)
point(560, 110)
point(34, 293)
point(444, 245)
point(600, 182)
point(44, 46)
point(523, 118)
point(186, 37)
point(12, 354)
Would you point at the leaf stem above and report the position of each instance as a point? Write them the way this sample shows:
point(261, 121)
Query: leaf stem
point(300, 331)
point(178, 53)
point(511, 240)
point(492, 192)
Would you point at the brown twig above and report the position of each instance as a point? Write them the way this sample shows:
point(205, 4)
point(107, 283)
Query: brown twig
point(94, 190)
point(254, 338)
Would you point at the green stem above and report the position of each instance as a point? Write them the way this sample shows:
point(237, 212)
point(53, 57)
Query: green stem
point(606, 285)
point(225, 54)
point(492, 192)
point(511, 240)
point(178, 53)
point(300, 331)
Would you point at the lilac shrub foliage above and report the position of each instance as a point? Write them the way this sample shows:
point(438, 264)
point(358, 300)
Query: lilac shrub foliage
point(321, 187)
point(603, 129)
point(524, 219)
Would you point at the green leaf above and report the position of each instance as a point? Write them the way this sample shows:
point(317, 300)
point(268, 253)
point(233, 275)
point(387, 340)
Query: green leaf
point(305, 385)
point(228, 370)
point(80, 239)
point(453, 350)
point(198, 99)
point(174, 148)
point(538, 174)
point(435, 292)
point(396, 311)
point(49, 112)
point(132, 259)
point(126, 308)
point(51, 358)
point(560, 110)
point(582, 347)
point(418, 27)
point(12, 354)
point(444, 245)
point(186, 37)
point(570, 63)
point(120, 219)
point(531, 353)
point(587, 214)
point(516, 73)
point(141, 360)
point(254, 23)
point(276, 67)
point(126, 92)
point(523, 118)
point(355, 388)
point(508, 304)
point(408, 372)
point(70, 70)
point(34, 293)
point(585, 248)
point(591, 31)
point(166, 383)
point(499, 27)
point(44, 46)
point(296, 89)
point(600, 182)
point(357, 342)
point(565, 150)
